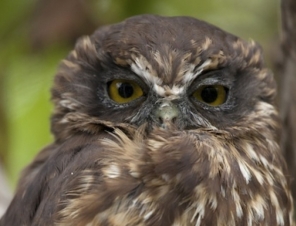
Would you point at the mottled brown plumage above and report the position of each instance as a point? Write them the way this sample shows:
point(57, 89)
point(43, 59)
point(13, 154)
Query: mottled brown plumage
point(197, 146)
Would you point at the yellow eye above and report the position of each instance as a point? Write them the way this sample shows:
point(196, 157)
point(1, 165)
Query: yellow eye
point(213, 95)
point(123, 91)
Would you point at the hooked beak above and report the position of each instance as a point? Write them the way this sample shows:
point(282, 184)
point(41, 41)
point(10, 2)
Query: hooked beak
point(166, 113)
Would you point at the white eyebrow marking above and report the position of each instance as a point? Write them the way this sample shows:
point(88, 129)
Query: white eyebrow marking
point(177, 90)
point(193, 73)
point(140, 66)
point(142, 69)
point(164, 91)
point(159, 90)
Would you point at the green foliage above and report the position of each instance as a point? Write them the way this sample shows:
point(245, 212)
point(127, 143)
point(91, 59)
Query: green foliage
point(248, 19)
point(28, 81)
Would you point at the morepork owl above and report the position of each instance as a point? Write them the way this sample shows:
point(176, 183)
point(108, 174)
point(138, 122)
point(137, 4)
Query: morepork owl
point(159, 121)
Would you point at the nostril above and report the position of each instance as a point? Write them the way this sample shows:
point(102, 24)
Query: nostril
point(174, 120)
point(160, 120)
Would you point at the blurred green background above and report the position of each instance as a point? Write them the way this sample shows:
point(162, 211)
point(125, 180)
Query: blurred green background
point(36, 34)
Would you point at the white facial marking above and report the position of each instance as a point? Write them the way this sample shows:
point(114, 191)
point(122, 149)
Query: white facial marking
point(177, 90)
point(68, 104)
point(193, 73)
point(204, 64)
point(159, 90)
point(142, 71)
point(164, 104)
point(64, 120)
point(139, 66)
point(189, 75)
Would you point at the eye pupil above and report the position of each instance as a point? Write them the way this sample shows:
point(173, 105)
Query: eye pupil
point(125, 90)
point(209, 94)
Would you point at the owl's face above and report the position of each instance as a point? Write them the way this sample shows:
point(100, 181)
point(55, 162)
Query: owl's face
point(163, 71)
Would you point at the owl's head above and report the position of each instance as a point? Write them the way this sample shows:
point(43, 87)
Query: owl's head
point(161, 71)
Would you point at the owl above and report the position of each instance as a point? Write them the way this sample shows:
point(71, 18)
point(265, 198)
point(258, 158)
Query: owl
point(159, 121)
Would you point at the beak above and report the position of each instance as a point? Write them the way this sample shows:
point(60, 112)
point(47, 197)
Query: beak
point(166, 113)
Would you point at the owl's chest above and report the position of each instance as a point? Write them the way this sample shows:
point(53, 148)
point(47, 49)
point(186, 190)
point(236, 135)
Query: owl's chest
point(164, 206)
point(180, 183)
point(153, 206)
